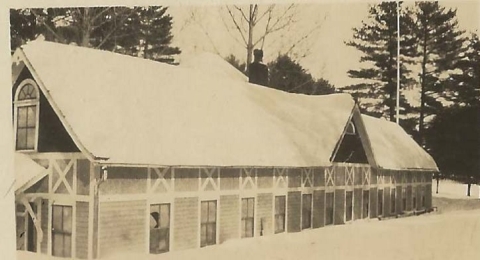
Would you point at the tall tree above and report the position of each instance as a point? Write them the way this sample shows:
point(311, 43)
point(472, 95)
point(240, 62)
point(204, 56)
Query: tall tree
point(254, 23)
point(465, 81)
point(149, 30)
point(289, 76)
point(453, 139)
point(377, 40)
point(440, 45)
point(122, 29)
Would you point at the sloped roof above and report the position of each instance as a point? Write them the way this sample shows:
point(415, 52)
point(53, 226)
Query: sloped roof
point(213, 64)
point(393, 148)
point(27, 172)
point(136, 111)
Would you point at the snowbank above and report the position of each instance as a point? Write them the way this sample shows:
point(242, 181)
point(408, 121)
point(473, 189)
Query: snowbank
point(454, 190)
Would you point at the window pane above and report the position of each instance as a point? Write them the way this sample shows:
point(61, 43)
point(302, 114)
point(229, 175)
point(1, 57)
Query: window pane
point(244, 208)
point(249, 228)
point(57, 240)
point(67, 246)
point(57, 218)
point(21, 138)
point(164, 216)
point(204, 213)
point(251, 207)
point(203, 234)
point(31, 116)
point(212, 212)
point(211, 234)
point(243, 227)
point(22, 117)
point(67, 219)
point(30, 138)
point(163, 243)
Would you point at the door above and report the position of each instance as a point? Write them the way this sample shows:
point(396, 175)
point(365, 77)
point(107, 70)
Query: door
point(248, 217)
point(306, 211)
point(61, 231)
point(280, 206)
point(329, 208)
point(31, 232)
point(366, 200)
point(380, 203)
point(348, 205)
point(208, 223)
point(159, 228)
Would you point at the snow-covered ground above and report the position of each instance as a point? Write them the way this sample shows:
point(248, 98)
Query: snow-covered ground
point(455, 190)
point(452, 232)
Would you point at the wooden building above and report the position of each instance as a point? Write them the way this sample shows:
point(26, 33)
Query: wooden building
point(115, 153)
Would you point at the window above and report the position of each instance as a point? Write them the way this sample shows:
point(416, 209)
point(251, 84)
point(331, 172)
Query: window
point(280, 206)
point(414, 199)
point(248, 207)
point(208, 224)
point(422, 197)
point(159, 228)
point(306, 211)
point(366, 201)
point(380, 202)
point(26, 114)
point(350, 129)
point(348, 205)
point(404, 199)
point(392, 201)
point(329, 208)
point(62, 231)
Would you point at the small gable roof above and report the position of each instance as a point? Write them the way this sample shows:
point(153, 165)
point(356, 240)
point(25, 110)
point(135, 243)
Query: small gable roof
point(132, 111)
point(394, 149)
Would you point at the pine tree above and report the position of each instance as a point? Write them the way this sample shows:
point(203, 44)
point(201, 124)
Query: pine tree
point(149, 34)
point(287, 75)
point(377, 40)
point(465, 85)
point(138, 31)
point(440, 48)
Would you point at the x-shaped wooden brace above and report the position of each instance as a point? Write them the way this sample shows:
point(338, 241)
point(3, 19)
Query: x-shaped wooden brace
point(422, 177)
point(380, 179)
point(62, 176)
point(280, 177)
point(161, 179)
point(248, 177)
point(350, 173)
point(393, 180)
point(209, 179)
point(307, 175)
point(329, 176)
point(366, 176)
point(414, 178)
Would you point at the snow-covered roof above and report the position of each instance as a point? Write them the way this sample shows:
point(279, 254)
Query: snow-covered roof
point(27, 172)
point(141, 112)
point(213, 64)
point(393, 148)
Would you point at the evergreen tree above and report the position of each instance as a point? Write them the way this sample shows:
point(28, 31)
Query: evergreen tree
point(465, 85)
point(377, 40)
point(287, 75)
point(149, 30)
point(453, 139)
point(138, 31)
point(440, 48)
point(236, 63)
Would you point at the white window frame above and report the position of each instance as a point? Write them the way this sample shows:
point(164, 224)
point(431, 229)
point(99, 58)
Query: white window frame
point(26, 103)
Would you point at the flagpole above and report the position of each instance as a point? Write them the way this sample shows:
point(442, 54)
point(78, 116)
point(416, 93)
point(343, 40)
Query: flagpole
point(397, 118)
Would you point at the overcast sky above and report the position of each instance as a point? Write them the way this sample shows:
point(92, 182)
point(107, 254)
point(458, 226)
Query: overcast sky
point(328, 56)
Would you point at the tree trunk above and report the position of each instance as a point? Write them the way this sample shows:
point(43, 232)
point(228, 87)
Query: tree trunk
point(423, 89)
point(250, 37)
point(469, 185)
point(85, 41)
point(438, 181)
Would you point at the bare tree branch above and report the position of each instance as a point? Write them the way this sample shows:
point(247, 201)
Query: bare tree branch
point(237, 26)
point(51, 30)
point(243, 13)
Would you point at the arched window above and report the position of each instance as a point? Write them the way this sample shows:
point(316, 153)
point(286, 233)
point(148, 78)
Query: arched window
point(26, 116)
point(350, 128)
